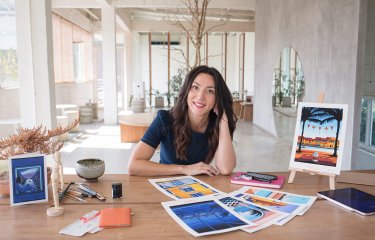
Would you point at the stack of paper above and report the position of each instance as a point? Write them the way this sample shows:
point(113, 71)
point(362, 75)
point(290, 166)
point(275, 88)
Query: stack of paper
point(203, 210)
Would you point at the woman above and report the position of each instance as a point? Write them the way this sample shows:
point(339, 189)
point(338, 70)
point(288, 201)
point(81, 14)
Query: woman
point(198, 129)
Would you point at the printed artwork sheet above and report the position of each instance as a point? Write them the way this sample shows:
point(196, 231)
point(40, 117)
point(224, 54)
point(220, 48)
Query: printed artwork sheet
point(183, 187)
point(262, 216)
point(205, 216)
point(307, 201)
point(289, 208)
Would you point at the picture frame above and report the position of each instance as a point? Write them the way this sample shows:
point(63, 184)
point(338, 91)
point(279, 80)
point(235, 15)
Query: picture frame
point(28, 179)
point(319, 138)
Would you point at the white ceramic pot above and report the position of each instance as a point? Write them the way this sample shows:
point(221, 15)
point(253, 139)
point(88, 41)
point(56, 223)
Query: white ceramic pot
point(90, 169)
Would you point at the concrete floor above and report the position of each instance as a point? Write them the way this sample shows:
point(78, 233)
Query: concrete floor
point(256, 149)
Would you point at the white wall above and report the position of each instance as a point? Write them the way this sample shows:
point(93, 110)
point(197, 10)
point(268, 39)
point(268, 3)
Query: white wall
point(329, 40)
point(74, 93)
point(369, 77)
point(9, 103)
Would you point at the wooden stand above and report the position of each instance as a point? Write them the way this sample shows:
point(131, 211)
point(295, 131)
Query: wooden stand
point(57, 173)
point(332, 177)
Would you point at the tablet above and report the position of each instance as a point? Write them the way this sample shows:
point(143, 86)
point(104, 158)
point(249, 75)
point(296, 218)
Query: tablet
point(352, 199)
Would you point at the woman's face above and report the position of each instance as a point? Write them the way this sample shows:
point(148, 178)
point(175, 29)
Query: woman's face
point(201, 97)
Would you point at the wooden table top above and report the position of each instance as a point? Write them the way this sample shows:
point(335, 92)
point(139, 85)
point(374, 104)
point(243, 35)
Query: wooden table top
point(323, 221)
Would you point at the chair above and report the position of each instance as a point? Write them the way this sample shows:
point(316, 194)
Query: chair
point(237, 107)
point(246, 112)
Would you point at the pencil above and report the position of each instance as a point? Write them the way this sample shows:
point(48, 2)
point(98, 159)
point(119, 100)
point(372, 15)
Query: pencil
point(75, 198)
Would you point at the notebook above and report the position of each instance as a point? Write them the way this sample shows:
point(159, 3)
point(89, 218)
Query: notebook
point(115, 217)
point(352, 199)
point(239, 178)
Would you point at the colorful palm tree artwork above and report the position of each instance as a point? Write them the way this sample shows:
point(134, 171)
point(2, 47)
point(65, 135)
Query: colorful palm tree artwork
point(311, 114)
point(331, 115)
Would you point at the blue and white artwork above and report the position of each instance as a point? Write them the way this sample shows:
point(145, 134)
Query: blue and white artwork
point(205, 216)
point(28, 179)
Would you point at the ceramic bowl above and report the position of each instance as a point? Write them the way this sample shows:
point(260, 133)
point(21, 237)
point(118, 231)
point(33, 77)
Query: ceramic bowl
point(90, 169)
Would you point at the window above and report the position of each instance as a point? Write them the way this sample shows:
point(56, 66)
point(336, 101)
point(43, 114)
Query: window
point(8, 48)
point(364, 113)
point(367, 124)
point(78, 62)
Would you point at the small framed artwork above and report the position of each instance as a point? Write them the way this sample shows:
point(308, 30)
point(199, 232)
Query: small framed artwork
point(319, 138)
point(28, 179)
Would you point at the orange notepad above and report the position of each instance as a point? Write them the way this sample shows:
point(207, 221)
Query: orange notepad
point(114, 217)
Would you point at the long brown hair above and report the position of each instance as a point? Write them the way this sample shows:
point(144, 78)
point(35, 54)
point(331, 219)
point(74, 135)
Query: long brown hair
point(179, 113)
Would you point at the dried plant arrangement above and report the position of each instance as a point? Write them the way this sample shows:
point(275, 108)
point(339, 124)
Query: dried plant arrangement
point(37, 139)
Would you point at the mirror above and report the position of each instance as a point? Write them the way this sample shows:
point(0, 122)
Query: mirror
point(288, 88)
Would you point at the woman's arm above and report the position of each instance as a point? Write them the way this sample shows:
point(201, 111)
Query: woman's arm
point(225, 157)
point(140, 164)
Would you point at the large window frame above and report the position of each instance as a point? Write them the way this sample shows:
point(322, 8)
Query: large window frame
point(367, 130)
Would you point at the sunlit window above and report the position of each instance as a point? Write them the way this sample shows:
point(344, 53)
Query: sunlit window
point(8, 47)
point(367, 124)
point(364, 114)
point(78, 62)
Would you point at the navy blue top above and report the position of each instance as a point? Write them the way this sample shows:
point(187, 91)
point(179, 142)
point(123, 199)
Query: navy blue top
point(161, 132)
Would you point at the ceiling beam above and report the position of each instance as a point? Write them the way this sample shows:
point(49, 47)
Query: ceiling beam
point(75, 4)
point(123, 20)
point(211, 13)
point(233, 4)
point(223, 4)
point(76, 17)
point(162, 26)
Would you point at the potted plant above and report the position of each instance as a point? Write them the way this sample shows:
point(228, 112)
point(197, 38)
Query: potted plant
point(277, 93)
point(159, 99)
point(176, 83)
point(168, 95)
point(300, 88)
point(287, 92)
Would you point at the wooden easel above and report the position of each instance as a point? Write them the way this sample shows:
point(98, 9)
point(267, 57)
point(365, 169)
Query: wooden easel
point(332, 177)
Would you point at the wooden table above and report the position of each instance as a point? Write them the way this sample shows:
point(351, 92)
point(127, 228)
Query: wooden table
point(323, 221)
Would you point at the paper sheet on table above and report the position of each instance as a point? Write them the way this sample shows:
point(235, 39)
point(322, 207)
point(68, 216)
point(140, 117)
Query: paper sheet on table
point(87, 223)
point(183, 187)
point(205, 216)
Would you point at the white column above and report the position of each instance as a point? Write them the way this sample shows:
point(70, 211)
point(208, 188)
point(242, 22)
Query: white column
point(35, 63)
point(109, 64)
point(128, 66)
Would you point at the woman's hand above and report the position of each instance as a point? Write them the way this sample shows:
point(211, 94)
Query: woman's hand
point(200, 168)
point(224, 117)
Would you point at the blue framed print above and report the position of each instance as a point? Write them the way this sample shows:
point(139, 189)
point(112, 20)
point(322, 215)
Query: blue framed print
point(28, 179)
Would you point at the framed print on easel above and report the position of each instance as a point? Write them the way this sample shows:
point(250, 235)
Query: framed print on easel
point(319, 140)
point(28, 179)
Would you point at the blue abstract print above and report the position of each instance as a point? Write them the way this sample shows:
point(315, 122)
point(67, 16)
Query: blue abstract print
point(206, 216)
